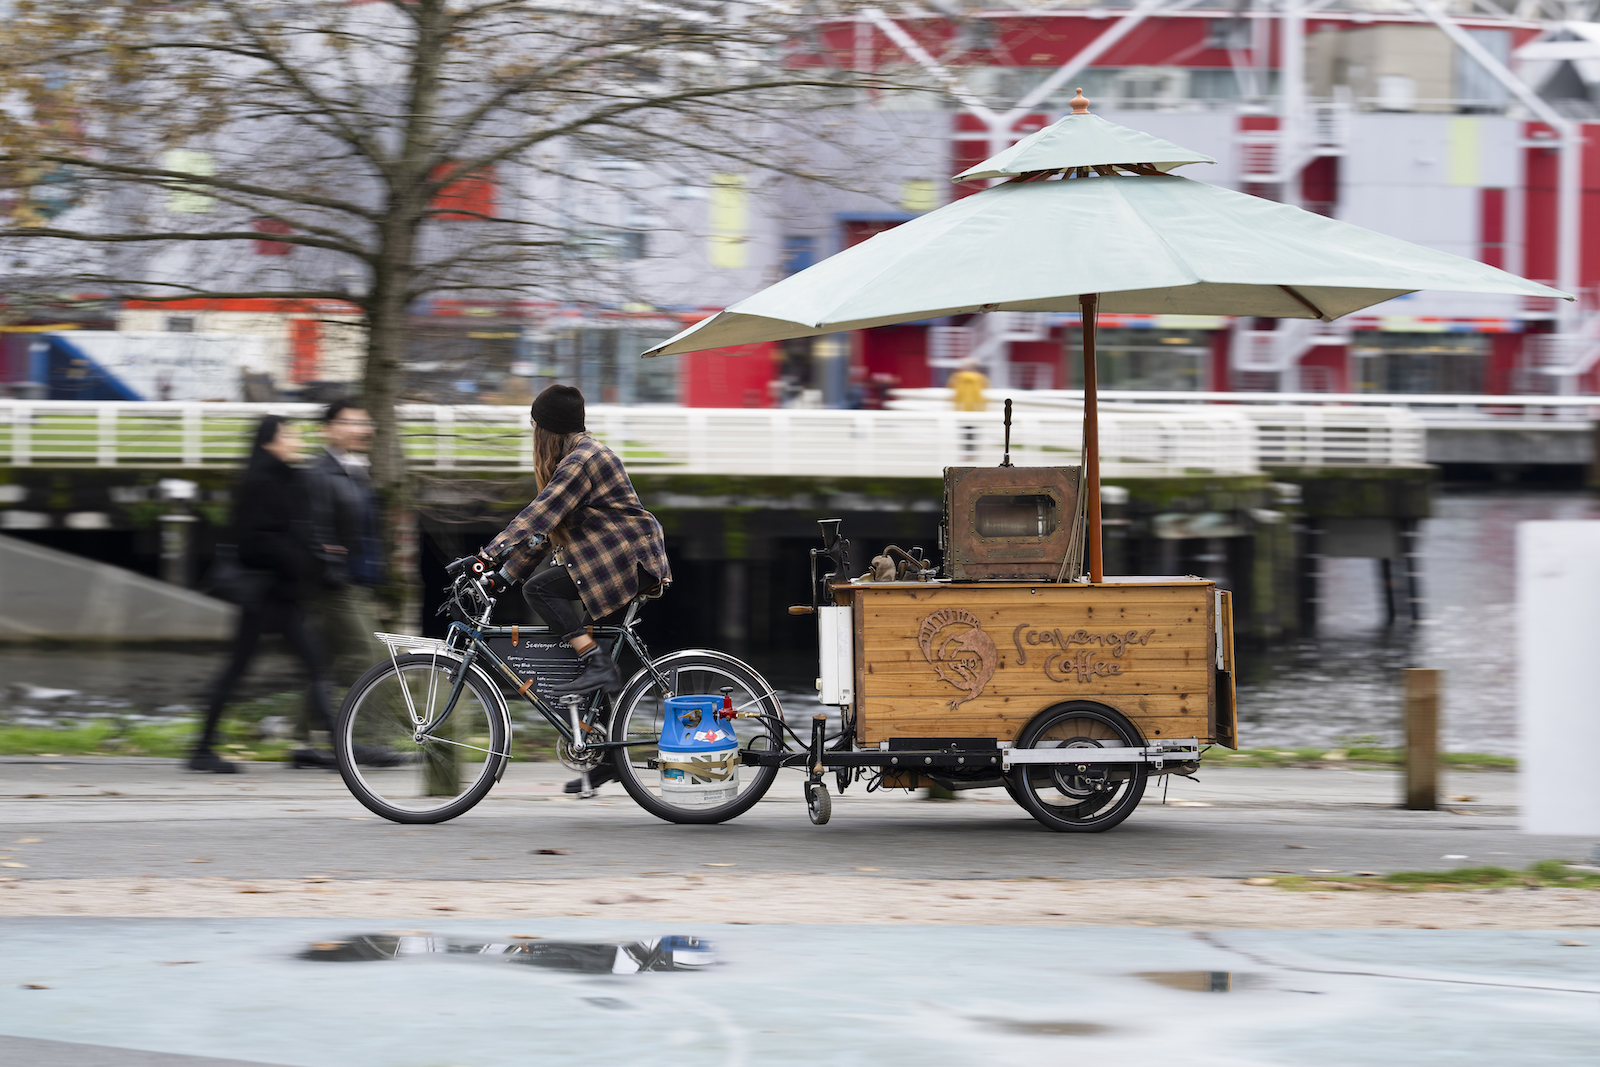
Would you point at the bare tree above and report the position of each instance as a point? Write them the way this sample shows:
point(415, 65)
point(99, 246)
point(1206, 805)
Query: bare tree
point(143, 144)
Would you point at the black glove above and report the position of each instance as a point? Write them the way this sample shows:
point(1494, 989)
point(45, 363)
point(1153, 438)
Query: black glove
point(497, 582)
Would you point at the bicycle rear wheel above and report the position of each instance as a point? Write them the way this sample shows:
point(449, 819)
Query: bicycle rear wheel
point(437, 778)
point(638, 719)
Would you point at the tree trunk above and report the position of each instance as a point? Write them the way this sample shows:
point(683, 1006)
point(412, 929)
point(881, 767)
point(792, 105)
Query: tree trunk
point(399, 602)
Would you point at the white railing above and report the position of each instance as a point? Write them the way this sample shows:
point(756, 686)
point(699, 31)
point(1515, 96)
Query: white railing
point(1149, 442)
point(1433, 408)
point(1286, 435)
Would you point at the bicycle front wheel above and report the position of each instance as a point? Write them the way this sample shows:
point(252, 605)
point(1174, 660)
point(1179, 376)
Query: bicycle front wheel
point(445, 772)
point(638, 720)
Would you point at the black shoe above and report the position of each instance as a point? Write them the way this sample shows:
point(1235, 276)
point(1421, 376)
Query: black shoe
point(599, 672)
point(597, 778)
point(211, 763)
point(304, 759)
point(378, 756)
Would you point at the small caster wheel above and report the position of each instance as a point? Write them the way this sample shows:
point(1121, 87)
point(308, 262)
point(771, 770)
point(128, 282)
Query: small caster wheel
point(819, 803)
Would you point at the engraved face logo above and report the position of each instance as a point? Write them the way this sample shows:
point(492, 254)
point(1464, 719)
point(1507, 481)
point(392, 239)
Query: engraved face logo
point(961, 653)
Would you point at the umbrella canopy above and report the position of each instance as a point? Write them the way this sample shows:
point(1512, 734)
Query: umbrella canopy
point(1082, 140)
point(1151, 243)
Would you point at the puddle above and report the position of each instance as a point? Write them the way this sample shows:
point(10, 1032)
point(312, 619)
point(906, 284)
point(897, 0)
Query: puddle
point(1052, 1028)
point(674, 952)
point(1201, 981)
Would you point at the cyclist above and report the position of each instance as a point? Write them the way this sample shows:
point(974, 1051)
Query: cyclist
point(608, 548)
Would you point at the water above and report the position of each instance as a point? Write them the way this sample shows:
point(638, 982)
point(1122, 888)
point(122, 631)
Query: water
point(1341, 685)
point(1345, 683)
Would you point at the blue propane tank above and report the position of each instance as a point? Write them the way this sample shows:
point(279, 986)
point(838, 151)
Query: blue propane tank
point(699, 754)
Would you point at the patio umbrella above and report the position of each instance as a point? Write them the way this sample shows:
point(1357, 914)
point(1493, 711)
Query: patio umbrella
point(1091, 220)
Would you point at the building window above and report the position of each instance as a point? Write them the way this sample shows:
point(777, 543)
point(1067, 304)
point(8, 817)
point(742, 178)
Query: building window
point(798, 254)
point(1133, 358)
point(180, 324)
point(1393, 362)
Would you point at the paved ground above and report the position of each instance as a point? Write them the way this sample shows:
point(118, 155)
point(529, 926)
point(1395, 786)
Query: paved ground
point(235, 990)
point(906, 930)
point(101, 819)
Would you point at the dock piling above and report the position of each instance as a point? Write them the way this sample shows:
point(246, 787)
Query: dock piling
point(1422, 738)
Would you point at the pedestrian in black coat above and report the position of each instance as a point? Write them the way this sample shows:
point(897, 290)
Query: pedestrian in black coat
point(271, 518)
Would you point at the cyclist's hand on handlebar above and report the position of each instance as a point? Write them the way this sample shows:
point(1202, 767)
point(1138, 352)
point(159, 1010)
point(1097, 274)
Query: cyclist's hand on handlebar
point(497, 582)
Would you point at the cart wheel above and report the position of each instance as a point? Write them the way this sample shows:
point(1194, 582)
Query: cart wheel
point(1058, 795)
point(819, 803)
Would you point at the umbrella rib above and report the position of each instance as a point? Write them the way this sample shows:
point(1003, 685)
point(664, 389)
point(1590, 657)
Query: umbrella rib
point(1308, 305)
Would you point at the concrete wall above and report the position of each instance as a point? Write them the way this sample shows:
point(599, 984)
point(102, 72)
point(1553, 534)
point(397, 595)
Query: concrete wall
point(50, 594)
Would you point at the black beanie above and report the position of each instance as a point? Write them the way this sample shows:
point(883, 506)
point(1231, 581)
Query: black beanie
point(559, 409)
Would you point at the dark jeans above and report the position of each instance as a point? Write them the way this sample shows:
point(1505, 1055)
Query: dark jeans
point(550, 592)
point(255, 620)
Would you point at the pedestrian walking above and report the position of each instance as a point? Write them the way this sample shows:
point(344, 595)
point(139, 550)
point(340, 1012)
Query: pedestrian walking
point(608, 548)
point(966, 394)
point(344, 526)
point(272, 528)
point(966, 387)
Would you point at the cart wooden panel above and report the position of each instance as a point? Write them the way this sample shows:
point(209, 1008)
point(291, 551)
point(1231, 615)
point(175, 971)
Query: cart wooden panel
point(980, 659)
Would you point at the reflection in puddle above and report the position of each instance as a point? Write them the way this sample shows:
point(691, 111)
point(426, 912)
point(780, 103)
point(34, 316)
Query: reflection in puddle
point(1055, 1028)
point(675, 952)
point(1201, 981)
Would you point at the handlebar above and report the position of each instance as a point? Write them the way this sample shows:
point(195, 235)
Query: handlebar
point(455, 569)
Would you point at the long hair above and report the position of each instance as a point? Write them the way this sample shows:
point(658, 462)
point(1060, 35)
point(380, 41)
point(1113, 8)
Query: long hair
point(549, 449)
point(267, 431)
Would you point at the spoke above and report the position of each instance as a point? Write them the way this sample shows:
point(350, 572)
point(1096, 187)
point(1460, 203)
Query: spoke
point(474, 748)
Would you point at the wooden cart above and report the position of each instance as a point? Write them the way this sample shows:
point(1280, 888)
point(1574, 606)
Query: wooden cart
point(1069, 695)
point(1017, 667)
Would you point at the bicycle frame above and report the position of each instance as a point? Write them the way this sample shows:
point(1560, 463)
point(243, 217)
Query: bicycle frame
point(466, 642)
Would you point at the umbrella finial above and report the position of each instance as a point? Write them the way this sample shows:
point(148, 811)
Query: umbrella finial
point(1080, 103)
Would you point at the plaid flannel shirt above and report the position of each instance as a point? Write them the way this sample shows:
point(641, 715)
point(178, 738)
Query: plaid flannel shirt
point(610, 535)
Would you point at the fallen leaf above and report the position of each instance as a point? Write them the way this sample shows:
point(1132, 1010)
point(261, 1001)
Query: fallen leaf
point(35, 985)
point(444, 907)
point(719, 865)
point(1574, 944)
point(527, 937)
point(1428, 926)
point(1143, 922)
point(1296, 846)
point(867, 868)
point(1260, 881)
point(177, 963)
point(549, 852)
point(30, 841)
point(13, 864)
point(1367, 874)
point(197, 861)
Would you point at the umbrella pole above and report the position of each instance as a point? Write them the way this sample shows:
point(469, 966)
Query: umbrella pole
point(1089, 304)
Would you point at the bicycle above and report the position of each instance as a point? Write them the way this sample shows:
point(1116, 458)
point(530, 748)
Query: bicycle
point(443, 727)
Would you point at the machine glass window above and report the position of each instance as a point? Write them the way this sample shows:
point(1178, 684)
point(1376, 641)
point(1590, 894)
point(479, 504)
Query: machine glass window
point(1030, 515)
